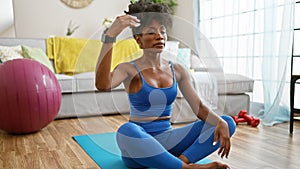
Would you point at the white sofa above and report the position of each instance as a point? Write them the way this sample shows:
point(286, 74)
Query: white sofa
point(226, 95)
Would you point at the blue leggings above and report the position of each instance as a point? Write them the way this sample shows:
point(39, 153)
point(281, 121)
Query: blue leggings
point(161, 150)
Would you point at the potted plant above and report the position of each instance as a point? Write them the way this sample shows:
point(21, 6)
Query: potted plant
point(71, 28)
point(170, 3)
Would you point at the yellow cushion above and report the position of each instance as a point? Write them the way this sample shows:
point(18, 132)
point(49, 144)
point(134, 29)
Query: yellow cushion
point(125, 51)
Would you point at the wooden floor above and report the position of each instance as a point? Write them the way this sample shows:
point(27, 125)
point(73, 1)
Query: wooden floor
point(53, 147)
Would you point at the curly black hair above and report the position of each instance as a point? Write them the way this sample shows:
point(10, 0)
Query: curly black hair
point(147, 11)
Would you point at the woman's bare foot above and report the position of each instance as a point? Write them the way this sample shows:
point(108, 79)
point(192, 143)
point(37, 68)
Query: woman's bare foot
point(213, 165)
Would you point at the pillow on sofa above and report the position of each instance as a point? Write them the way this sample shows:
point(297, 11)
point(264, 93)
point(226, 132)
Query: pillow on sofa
point(10, 53)
point(171, 51)
point(196, 63)
point(125, 51)
point(183, 57)
point(36, 54)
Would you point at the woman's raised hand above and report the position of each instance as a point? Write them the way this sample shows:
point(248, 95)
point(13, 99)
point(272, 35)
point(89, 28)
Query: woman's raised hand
point(120, 23)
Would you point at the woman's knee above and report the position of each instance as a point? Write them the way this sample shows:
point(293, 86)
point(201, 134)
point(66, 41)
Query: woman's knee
point(230, 122)
point(131, 130)
point(126, 127)
point(126, 134)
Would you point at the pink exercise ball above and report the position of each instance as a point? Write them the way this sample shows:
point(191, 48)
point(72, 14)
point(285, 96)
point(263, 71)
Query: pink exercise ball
point(30, 96)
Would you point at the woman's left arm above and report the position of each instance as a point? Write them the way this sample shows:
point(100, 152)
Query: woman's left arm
point(202, 111)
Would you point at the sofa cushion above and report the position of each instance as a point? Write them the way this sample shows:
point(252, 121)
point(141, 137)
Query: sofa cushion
point(37, 54)
point(183, 57)
point(83, 82)
point(10, 52)
point(196, 63)
point(170, 51)
point(234, 84)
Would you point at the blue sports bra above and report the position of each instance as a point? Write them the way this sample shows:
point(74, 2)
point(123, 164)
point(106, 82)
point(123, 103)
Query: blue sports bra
point(150, 101)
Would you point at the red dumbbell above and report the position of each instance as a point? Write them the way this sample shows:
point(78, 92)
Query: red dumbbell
point(254, 122)
point(238, 120)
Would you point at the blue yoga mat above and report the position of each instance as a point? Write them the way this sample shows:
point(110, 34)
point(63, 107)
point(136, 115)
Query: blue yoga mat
point(103, 149)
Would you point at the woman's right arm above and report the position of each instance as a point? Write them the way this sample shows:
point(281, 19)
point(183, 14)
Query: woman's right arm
point(105, 79)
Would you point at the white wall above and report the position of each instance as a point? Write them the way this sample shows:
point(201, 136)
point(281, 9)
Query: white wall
point(44, 18)
point(6, 17)
point(183, 28)
point(9, 32)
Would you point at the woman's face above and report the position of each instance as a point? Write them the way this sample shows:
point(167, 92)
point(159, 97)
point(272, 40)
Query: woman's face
point(153, 37)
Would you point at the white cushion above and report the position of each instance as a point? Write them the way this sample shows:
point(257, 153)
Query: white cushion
point(206, 87)
point(183, 57)
point(83, 82)
point(196, 63)
point(234, 84)
point(170, 51)
point(10, 52)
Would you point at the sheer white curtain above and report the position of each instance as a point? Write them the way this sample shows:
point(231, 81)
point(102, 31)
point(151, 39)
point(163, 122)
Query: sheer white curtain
point(253, 38)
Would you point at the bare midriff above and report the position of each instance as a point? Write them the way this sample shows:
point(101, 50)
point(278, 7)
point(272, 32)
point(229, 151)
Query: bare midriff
point(137, 119)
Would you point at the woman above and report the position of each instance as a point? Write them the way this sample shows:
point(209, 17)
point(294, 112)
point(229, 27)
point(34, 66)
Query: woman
point(147, 139)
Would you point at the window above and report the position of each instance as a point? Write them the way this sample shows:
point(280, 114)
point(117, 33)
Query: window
point(237, 30)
